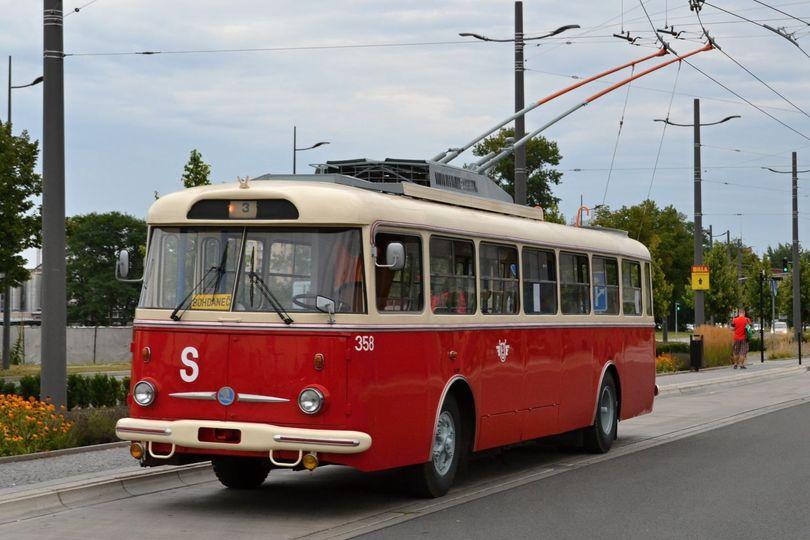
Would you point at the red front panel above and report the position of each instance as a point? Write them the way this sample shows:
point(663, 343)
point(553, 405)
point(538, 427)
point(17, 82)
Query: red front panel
point(526, 383)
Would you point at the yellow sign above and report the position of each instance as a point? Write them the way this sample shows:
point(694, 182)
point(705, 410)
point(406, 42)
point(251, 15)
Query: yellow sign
point(212, 302)
point(700, 278)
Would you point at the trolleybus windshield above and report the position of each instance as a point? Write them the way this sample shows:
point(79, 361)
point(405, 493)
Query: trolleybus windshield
point(294, 265)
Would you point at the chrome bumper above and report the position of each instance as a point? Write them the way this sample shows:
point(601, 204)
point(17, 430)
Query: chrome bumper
point(253, 437)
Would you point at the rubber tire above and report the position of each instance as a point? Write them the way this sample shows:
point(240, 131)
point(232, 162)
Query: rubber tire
point(241, 473)
point(425, 480)
point(595, 439)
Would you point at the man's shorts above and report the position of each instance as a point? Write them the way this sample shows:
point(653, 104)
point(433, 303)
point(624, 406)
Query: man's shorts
point(740, 347)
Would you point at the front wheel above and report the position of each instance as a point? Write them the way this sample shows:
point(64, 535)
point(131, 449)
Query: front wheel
point(599, 437)
point(434, 478)
point(241, 473)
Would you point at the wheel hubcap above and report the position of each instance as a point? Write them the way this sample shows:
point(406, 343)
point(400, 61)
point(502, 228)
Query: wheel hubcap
point(444, 444)
point(606, 410)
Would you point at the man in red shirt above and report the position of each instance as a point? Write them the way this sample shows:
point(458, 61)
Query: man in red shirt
point(740, 349)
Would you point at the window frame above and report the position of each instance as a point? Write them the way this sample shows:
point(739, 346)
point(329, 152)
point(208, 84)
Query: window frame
point(516, 279)
point(640, 288)
point(420, 239)
point(588, 284)
point(607, 285)
point(474, 276)
point(556, 282)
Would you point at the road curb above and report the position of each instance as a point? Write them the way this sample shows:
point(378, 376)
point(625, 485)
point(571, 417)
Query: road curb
point(30, 503)
point(738, 379)
point(63, 452)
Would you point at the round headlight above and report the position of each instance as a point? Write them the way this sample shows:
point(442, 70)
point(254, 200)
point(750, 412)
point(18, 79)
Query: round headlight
point(144, 393)
point(310, 400)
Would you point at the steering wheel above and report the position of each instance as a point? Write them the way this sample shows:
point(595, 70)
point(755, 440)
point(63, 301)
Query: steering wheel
point(297, 300)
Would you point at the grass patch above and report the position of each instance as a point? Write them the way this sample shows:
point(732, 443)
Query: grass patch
point(34, 369)
point(717, 342)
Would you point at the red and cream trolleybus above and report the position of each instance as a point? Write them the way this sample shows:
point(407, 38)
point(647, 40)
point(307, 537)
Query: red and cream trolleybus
point(379, 314)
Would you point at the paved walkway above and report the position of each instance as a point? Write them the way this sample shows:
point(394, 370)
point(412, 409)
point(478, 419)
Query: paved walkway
point(753, 365)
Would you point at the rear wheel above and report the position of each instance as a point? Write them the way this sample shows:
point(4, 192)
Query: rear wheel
point(599, 437)
point(434, 478)
point(241, 473)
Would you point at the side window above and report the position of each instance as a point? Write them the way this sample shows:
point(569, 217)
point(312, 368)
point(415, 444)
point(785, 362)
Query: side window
point(575, 286)
point(539, 282)
point(168, 283)
point(500, 284)
point(631, 288)
point(605, 286)
point(401, 290)
point(452, 276)
point(648, 288)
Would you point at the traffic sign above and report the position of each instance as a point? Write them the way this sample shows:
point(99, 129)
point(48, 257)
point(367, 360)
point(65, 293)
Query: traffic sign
point(700, 278)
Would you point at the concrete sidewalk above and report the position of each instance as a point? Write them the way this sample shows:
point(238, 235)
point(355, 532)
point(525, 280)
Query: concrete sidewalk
point(691, 381)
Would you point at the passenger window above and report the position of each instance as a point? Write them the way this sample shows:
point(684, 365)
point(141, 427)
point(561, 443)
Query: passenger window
point(605, 286)
point(631, 288)
point(401, 290)
point(539, 282)
point(648, 288)
point(500, 285)
point(452, 276)
point(575, 286)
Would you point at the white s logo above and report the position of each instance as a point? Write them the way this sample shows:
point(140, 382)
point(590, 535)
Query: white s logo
point(188, 362)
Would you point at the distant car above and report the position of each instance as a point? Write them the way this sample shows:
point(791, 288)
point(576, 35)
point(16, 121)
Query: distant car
point(780, 327)
point(690, 327)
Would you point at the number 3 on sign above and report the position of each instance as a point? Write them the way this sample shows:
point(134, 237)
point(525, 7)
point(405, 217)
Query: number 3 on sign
point(364, 343)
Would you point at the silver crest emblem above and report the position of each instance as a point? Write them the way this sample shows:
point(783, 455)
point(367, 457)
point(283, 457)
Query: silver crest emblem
point(502, 348)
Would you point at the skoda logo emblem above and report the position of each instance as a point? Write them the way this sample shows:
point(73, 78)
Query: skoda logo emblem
point(226, 395)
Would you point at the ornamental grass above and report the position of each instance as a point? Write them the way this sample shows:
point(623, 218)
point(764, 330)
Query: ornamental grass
point(28, 425)
point(717, 342)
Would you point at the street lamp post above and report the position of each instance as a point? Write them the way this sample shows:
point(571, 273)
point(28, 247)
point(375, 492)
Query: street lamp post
point(520, 125)
point(698, 232)
point(7, 289)
point(296, 149)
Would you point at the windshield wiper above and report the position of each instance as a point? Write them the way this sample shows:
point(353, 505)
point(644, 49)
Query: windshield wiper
point(271, 298)
point(174, 316)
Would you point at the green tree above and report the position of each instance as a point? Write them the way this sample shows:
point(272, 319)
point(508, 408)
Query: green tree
point(784, 296)
point(93, 241)
point(724, 294)
point(20, 220)
point(776, 254)
point(541, 156)
point(196, 172)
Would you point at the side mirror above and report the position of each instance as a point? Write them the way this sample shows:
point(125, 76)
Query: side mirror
point(394, 257)
point(326, 305)
point(122, 266)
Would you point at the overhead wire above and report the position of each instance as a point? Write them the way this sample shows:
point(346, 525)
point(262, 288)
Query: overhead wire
point(727, 55)
point(782, 12)
point(618, 136)
point(78, 9)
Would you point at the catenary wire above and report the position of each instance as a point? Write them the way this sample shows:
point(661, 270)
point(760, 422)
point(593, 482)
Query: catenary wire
point(78, 9)
point(618, 136)
point(782, 12)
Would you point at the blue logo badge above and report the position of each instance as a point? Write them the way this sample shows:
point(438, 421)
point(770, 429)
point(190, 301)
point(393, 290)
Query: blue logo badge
point(226, 395)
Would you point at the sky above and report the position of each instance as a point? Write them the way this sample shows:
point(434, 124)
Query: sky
point(131, 120)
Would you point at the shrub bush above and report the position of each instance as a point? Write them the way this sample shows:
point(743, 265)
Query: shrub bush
point(671, 347)
point(780, 346)
point(29, 387)
point(7, 387)
point(31, 426)
point(717, 344)
point(95, 426)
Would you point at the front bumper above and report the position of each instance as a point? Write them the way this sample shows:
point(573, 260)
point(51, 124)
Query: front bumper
point(253, 437)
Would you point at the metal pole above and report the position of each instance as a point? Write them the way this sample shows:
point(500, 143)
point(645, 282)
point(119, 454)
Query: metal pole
point(294, 143)
point(797, 314)
point(761, 316)
point(676, 317)
point(7, 289)
point(54, 305)
point(711, 237)
point(520, 121)
point(698, 216)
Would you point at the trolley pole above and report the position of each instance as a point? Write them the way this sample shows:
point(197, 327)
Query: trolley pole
point(699, 310)
point(520, 121)
point(54, 305)
point(797, 312)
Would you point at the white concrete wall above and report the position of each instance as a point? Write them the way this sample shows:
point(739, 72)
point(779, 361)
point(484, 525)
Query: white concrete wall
point(85, 345)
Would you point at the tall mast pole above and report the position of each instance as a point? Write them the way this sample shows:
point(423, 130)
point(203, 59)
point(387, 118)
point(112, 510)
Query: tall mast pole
point(54, 296)
point(797, 313)
point(7, 289)
point(520, 121)
point(699, 309)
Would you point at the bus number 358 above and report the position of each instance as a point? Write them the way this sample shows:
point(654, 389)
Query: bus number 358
point(364, 343)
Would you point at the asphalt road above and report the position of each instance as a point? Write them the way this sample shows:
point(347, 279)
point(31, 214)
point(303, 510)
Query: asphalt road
point(746, 480)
